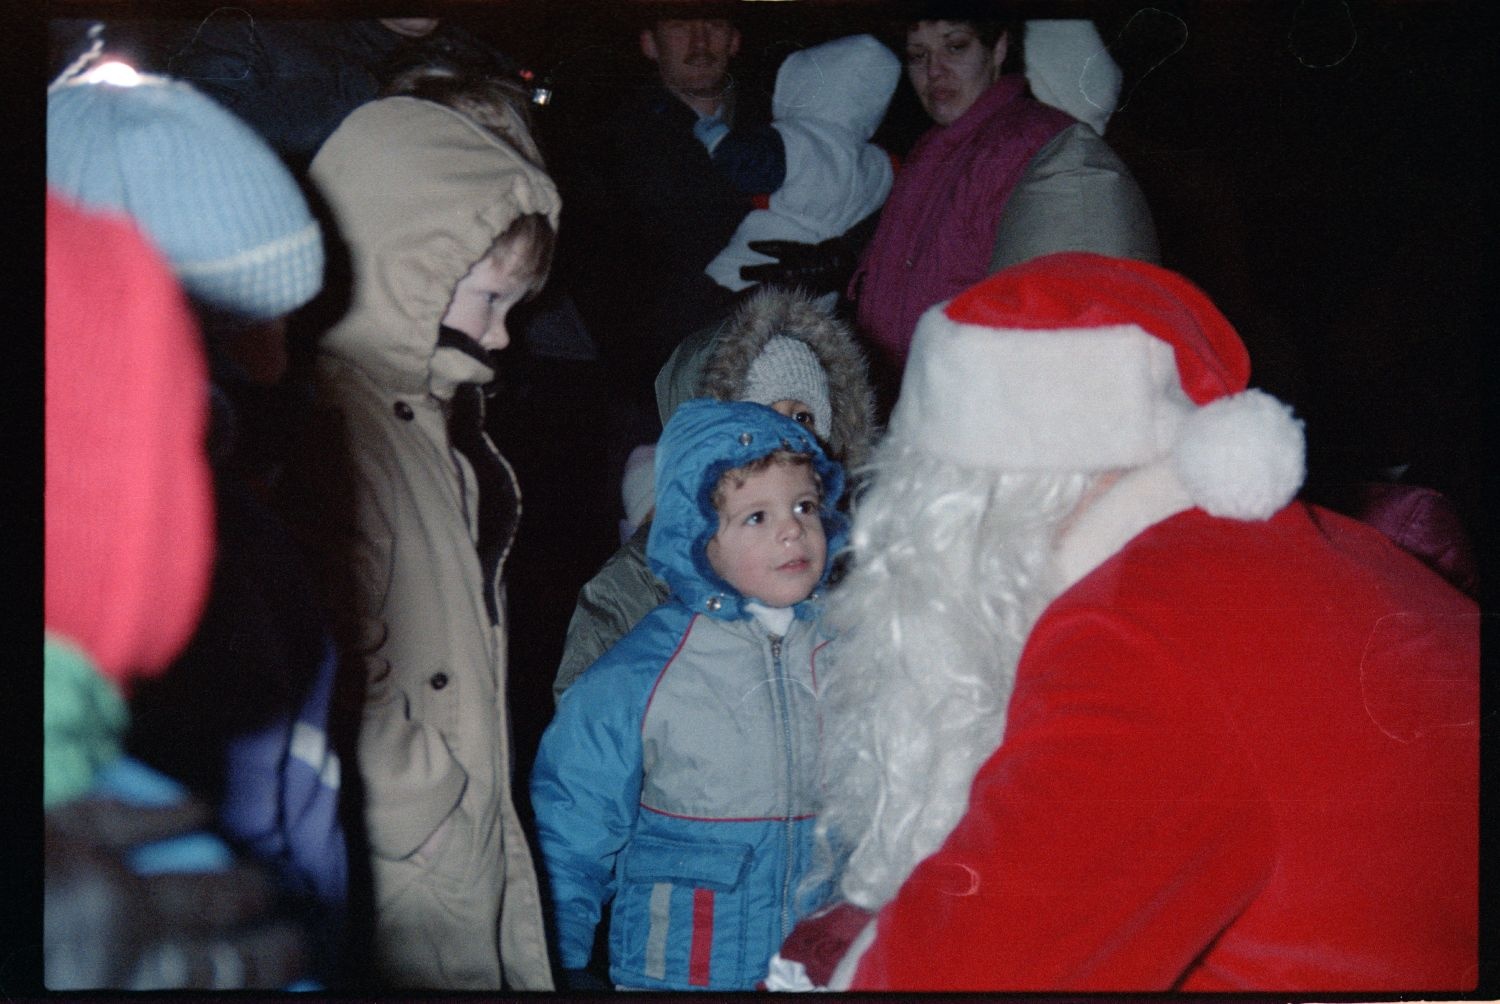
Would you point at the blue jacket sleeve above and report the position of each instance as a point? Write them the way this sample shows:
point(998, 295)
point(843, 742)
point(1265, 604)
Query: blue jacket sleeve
point(586, 783)
point(753, 158)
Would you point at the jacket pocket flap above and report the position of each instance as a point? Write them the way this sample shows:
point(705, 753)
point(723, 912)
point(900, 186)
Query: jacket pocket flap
point(701, 865)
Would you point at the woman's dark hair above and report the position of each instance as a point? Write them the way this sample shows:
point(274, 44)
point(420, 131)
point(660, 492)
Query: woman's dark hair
point(977, 14)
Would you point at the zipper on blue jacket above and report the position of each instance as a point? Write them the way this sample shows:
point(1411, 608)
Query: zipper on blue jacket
point(787, 824)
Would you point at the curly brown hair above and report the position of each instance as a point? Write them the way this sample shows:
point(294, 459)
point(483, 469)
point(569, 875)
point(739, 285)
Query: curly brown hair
point(737, 476)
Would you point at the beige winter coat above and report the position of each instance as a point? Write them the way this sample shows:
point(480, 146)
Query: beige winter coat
point(419, 193)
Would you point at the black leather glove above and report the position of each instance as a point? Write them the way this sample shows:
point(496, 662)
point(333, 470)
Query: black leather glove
point(825, 267)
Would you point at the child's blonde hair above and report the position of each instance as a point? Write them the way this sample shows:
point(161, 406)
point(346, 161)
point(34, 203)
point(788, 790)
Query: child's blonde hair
point(531, 238)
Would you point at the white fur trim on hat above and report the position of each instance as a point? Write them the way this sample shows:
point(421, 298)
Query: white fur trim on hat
point(1093, 399)
point(1090, 399)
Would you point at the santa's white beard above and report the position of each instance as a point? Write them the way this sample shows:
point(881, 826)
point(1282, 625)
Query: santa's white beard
point(951, 568)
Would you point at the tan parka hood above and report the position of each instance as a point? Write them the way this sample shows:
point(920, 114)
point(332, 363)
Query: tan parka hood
point(418, 193)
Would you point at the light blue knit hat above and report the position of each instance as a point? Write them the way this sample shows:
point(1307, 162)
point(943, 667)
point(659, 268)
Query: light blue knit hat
point(209, 192)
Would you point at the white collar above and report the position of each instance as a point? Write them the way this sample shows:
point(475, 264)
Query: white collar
point(777, 620)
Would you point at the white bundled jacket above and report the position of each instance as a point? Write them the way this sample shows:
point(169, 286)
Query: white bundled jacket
point(829, 100)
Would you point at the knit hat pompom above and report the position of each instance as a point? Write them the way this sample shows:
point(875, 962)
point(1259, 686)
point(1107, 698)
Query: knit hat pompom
point(205, 188)
point(1081, 362)
point(788, 370)
point(1242, 457)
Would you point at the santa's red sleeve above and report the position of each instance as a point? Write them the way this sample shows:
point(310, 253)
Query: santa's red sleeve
point(819, 946)
point(1116, 831)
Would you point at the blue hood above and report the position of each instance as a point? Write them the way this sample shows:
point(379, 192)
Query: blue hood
point(704, 439)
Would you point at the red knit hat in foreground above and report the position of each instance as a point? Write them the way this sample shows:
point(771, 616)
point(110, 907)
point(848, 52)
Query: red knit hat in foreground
point(1081, 362)
point(129, 504)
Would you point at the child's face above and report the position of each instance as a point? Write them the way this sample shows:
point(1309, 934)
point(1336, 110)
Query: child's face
point(485, 295)
point(770, 545)
point(794, 409)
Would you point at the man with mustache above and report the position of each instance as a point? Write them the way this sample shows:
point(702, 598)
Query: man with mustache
point(646, 209)
point(692, 56)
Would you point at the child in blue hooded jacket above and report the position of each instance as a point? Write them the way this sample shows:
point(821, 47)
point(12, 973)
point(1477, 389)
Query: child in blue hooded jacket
point(679, 778)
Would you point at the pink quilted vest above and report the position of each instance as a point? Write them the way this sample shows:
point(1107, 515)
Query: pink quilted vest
point(937, 229)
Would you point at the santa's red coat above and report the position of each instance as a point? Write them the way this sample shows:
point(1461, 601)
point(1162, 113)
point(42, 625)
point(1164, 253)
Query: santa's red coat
point(1238, 756)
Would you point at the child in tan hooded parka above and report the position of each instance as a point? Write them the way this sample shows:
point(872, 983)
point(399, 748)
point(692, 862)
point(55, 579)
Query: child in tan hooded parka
point(447, 226)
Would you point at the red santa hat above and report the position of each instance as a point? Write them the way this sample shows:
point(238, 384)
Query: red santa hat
point(1081, 362)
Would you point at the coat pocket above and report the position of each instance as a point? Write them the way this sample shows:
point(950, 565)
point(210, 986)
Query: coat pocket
point(680, 915)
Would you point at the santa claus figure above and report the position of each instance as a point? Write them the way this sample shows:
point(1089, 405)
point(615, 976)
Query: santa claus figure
point(1110, 710)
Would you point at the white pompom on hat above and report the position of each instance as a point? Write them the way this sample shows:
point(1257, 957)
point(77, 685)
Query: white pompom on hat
point(1082, 362)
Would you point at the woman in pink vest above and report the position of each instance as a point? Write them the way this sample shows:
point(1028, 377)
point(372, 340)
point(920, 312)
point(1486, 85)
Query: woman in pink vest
point(998, 179)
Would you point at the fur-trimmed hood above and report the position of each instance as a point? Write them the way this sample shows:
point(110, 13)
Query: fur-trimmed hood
point(715, 362)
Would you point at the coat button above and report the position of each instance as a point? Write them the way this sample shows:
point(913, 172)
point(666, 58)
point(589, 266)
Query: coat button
point(403, 411)
point(714, 603)
point(746, 439)
point(439, 681)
